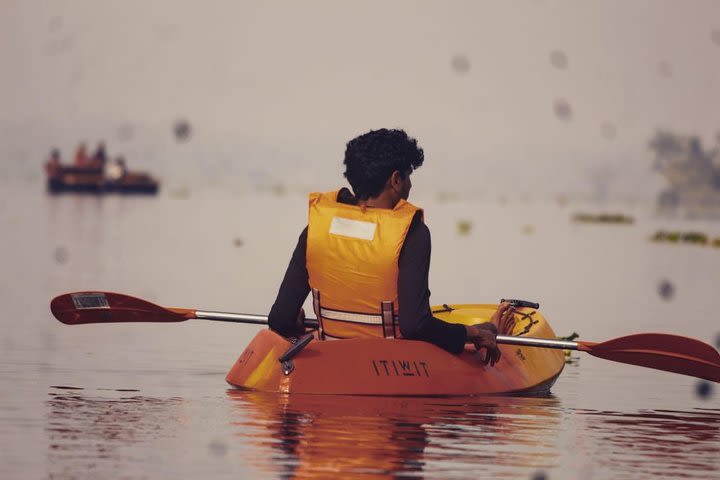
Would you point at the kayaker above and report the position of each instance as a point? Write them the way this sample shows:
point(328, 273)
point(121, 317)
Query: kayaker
point(81, 157)
point(366, 257)
point(52, 167)
point(99, 157)
point(117, 170)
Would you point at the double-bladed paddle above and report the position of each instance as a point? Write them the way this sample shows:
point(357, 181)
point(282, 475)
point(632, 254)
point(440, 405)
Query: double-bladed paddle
point(671, 353)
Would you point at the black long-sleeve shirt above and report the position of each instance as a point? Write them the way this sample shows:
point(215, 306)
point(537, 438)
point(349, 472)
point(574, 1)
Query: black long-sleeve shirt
point(416, 320)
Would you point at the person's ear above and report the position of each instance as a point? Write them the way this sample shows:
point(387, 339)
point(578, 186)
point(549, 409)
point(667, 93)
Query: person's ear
point(396, 181)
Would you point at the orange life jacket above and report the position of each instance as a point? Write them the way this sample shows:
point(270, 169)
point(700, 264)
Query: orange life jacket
point(352, 262)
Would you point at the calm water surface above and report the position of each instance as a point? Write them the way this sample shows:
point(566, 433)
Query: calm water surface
point(150, 401)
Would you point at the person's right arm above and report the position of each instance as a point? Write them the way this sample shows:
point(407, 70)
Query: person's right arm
point(416, 319)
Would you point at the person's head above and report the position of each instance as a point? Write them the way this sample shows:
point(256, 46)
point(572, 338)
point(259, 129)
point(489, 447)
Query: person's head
point(55, 154)
point(381, 159)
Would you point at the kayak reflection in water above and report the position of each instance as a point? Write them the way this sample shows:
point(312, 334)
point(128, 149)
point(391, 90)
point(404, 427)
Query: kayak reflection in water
point(366, 253)
point(330, 436)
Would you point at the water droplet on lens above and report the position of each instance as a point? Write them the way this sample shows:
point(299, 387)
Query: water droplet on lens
point(182, 130)
point(539, 475)
point(666, 289)
point(56, 24)
point(608, 130)
point(125, 132)
point(715, 37)
point(461, 64)
point(217, 448)
point(558, 59)
point(562, 110)
point(61, 255)
point(704, 389)
point(665, 69)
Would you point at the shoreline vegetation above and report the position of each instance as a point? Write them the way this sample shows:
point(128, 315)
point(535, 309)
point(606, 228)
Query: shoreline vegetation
point(675, 236)
point(612, 218)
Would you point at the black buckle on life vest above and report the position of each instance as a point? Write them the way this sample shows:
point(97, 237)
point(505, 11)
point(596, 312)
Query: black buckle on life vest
point(388, 319)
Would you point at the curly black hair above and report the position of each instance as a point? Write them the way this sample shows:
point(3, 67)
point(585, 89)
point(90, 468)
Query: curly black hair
point(371, 158)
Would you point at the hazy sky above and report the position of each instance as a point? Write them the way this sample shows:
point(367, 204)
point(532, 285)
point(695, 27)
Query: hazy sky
point(548, 96)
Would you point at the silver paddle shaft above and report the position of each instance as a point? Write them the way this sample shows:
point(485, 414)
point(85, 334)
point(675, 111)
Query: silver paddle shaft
point(504, 339)
point(232, 317)
point(537, 342)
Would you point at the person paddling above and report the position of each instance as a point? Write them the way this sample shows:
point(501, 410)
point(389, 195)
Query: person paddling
point(366, 258)
point(53, 165)
point(81, 157)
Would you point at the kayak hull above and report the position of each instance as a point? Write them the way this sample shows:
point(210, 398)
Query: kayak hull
point(93, 180)
point(400, 367)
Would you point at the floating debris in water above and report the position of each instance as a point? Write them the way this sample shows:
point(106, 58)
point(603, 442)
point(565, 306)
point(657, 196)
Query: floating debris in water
point(278, 189)
point(463, 227)
point(558, 59)
point(617, 218)
point(61, 255)
point(217, 448)
point(238, 242)
point(447, 196)
point(666, 289)
point(461, 64)
point(562, 110)
point(181, 192)
point(182, 130)
point(569, 359)
point(694, 237)
point(528, 229)
point(697, 238)
point(66, 387)
point(704, 389)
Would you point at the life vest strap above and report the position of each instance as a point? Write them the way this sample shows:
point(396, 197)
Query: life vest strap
point(316, 309)
point(341, 316)
point(386, 319)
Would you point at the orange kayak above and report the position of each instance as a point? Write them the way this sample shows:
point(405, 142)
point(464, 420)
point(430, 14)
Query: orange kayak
point(399, 367)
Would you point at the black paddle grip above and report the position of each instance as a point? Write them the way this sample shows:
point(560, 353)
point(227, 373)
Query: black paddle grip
point(521, 303)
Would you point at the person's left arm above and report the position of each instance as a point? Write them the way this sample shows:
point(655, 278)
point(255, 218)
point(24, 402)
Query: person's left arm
point(286, 315)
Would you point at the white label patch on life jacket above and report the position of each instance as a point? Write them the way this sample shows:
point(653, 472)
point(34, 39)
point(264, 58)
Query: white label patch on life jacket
point(352, 228)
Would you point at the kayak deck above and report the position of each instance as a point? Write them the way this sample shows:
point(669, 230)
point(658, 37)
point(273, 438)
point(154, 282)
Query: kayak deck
point(399, 367)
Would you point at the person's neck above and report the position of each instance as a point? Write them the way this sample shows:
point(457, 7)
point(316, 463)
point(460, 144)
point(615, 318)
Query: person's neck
point(385, 200)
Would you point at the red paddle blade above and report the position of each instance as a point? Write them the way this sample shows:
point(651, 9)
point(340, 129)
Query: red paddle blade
point(670, 353)
point(105, 307)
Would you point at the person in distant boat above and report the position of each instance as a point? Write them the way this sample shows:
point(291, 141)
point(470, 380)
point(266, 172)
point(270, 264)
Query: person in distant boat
point(117, 170)
point(81, 157)
point(52, 166)
point(366, 258)
point(99, 158)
